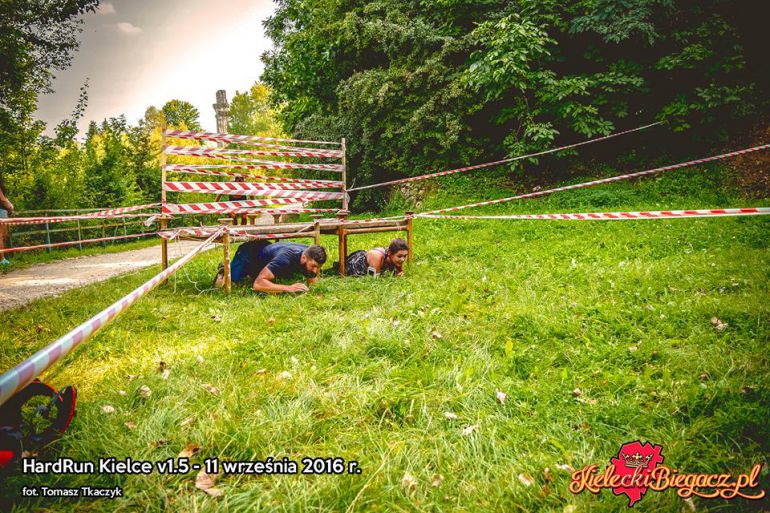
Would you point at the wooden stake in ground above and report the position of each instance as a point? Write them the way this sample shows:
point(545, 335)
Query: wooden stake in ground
point(316, 228)
point(344, 177)
point(410, 255)
point(163, 220)
point(343, 240)
point(226, 261)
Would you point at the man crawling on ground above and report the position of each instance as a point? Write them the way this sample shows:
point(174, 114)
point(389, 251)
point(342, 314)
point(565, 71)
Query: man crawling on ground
point(264, 262)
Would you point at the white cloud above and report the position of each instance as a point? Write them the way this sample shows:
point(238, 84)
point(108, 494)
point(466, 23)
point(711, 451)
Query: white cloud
point(106, 8)
point(128, 28)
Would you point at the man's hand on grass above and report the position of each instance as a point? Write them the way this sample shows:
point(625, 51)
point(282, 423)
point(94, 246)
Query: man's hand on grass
point(297, 287)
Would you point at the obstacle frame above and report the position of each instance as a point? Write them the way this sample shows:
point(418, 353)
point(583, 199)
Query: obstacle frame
point(339, 226)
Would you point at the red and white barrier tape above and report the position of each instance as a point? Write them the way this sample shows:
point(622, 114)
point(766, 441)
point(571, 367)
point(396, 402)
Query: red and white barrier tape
point(326, 151)
point(200, 209)
point(113, 213)
point(233, 138)
point(74, 242)
point(257, 164)
point(18, 221)
point(212, 207)
point(192, 232)
point(327, 184)
point(238, 139)
point(206, 231)
point(601, 181)
point(374, 220)
point(249, 189)
point(619, 216)
point(121, 210)
point(21, 375)
point(257, 186)
point(504, 161)
point(203, 151)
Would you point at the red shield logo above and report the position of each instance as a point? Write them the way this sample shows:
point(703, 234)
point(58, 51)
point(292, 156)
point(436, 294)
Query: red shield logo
point(637, 460)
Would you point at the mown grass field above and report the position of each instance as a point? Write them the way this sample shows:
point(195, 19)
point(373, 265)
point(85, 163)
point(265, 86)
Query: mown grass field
point(366, 369)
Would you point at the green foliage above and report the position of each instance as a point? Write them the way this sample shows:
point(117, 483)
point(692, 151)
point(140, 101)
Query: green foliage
point(36, 38)
point(108, 176)
point(251, 113)
point(417, 86)
point(182, 115)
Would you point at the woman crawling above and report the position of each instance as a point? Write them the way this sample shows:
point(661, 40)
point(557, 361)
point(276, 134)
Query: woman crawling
point(378, 260)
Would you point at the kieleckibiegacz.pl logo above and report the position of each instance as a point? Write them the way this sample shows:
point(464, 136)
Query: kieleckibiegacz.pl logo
point(638, 467)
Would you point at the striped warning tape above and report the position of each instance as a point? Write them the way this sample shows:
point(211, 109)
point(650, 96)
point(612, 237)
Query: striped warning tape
point(205, 231)
point(206, 170)
point(292, 184)
point(249, 189)
point(74, 242)
point(233, 138)
point(21, 375)
point(203, 151)
point(113, 213)
point(214, 206)
point(326, 151)
point(18, 221)
point(241, 160)
point(504, 161)
point(257, 164)
point(199, 209)
point(619, 216)
point(602, 181)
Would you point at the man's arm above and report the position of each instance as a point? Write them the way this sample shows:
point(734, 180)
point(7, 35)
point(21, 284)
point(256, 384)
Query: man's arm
point(264, 283)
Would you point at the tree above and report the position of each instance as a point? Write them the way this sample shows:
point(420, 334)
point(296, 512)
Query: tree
point(182, 115)
point(36, 38)
point(418, 86)
point(109, 177)
point(252, 114)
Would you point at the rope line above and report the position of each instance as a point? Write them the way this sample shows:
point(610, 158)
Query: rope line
point(504, 161)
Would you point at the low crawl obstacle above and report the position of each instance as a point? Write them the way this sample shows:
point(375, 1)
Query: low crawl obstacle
point(278, 196)
point(340, 226)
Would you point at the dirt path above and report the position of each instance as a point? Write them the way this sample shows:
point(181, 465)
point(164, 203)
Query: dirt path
point(17, 288)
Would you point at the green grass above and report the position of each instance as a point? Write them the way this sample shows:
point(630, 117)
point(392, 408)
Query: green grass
point(536, 309)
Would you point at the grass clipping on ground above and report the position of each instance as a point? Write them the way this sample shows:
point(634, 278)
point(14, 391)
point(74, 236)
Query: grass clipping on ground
point(510, 354)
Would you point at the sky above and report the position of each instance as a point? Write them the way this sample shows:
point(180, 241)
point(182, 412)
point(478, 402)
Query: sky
point(138, 53)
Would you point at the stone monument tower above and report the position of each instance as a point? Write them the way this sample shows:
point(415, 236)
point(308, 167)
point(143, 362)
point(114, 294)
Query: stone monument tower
point(222, 109)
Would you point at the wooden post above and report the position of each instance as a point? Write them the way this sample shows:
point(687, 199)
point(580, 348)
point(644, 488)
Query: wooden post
point(48, 236)
point(80, 236)
point(163, 247)
point(226, 246)
point(344, 176)
point(342, 239)
point(410, 255)
point(163, 221)
point(276, 218)
point(316, 227)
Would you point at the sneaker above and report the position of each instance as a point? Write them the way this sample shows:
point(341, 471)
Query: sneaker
point(219, 279)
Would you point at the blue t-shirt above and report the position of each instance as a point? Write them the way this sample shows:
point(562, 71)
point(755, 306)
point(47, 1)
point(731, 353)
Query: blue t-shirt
point(282, 258)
